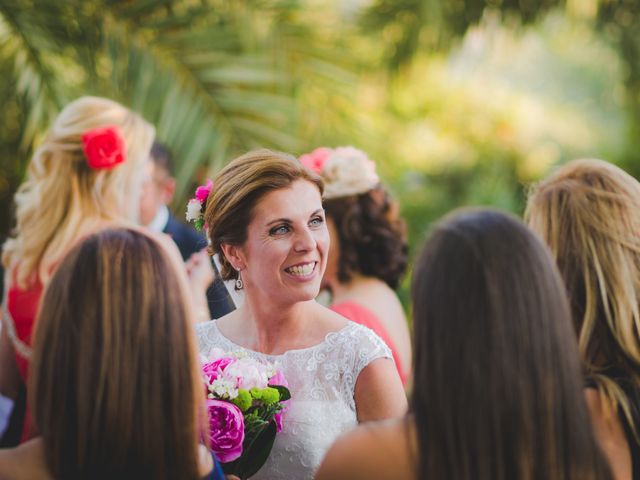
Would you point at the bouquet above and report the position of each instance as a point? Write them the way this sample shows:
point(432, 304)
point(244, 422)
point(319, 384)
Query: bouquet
point(245, 403)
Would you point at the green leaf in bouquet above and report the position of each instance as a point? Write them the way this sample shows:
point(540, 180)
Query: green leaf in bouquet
point(285, 394)
point(255, 451)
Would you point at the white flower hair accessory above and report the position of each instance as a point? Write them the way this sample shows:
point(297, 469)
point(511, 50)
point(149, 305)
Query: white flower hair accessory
point(345, 170)
point(196, 206)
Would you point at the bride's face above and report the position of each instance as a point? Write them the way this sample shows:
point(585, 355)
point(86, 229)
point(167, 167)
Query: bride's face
point(287, 243)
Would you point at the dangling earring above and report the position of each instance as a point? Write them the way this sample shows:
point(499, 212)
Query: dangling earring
point(239, 282)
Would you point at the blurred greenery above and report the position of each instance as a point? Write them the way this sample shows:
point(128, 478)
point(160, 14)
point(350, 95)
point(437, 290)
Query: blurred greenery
point(460, 102)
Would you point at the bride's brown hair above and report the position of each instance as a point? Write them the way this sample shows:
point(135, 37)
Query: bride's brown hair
point(239, 187)
point(114, 387)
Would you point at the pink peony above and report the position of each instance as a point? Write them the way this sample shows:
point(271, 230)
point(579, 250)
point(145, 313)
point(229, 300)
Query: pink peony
point(203, 191)
point(315, 160)
point(213, 369)
point(250, 373)
point(279, 380)
point(226, 430)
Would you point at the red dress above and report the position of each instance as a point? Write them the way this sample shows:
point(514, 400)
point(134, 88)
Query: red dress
point(362, 315)
point(22, 306)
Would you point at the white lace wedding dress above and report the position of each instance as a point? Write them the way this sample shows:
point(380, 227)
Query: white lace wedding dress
point(321, 379)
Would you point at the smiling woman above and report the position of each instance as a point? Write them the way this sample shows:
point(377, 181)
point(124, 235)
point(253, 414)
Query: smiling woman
point(266, 221)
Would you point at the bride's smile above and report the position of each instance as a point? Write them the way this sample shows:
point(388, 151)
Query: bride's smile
point(285, 254)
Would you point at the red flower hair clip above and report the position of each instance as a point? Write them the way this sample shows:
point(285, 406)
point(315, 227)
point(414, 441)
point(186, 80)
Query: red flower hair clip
point(103, 147)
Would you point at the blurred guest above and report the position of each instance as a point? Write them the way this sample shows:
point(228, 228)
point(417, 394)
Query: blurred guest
point(588, 212)
point(157, 194)
point(368, 253)
point(266, 221)
point(497, 393)
point(83, 178)
point(115, 383)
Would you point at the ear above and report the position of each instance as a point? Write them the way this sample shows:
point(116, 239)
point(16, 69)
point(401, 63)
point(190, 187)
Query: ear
point(168, 189)
point(235, 255)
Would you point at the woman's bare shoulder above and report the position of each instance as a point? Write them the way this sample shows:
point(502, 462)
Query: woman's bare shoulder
point(371, 450)
point(609, 432)
point(24, 462)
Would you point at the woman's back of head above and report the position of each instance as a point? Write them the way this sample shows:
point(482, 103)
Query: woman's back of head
point(588, 212)
point(62, 192)
point(115, 389)
point(497, 392)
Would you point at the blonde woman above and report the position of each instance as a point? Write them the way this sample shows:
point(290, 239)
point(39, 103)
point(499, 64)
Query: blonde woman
point(84, 177)
point(588, 212)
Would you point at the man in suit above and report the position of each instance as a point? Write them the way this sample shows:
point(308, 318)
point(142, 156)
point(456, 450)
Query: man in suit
point(157, 193)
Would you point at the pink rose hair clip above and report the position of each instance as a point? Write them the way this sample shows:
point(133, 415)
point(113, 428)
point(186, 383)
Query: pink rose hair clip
point(197, 205)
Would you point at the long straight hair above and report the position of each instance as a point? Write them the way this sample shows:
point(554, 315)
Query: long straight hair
point(588, 212)
point(497, 390)
point(114, 380)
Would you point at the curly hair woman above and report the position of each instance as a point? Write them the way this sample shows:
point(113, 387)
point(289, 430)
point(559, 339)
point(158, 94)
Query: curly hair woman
point(368, 254)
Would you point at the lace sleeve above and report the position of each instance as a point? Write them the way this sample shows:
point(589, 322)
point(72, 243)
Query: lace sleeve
point(367, 347)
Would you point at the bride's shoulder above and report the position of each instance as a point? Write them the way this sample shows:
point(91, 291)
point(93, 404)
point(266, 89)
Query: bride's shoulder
point(372, 450)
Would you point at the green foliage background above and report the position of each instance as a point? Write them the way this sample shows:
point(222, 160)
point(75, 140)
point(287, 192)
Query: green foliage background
point(460, 102)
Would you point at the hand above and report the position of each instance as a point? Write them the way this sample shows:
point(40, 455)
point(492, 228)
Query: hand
point(200, 271)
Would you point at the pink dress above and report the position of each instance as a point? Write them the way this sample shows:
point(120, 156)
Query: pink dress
point(362, 315)
point(19, 318)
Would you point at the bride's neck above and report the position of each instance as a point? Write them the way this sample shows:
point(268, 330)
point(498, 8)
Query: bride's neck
point(272, 326)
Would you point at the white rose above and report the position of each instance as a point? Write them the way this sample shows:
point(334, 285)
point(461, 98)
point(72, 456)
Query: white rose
point(193, 210)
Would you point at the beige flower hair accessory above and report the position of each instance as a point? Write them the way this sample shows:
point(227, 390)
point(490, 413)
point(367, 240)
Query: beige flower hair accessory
point(345, 170)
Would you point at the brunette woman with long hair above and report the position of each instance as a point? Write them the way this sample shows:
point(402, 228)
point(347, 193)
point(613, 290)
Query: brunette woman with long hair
point(588, 212)
point(115, 385)
point(497, 392)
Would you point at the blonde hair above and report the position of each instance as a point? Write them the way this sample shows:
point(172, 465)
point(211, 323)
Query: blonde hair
point(115, 385)
point(239, 187)
point(62, 193)
point(588, 212)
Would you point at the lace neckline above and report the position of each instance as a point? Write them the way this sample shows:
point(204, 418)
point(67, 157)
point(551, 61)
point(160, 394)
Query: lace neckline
point(327, 338)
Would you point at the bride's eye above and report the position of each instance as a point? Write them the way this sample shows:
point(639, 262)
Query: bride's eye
point(279, 230)
point(316, 221)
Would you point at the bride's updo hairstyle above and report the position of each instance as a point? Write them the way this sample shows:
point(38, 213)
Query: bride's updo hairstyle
point(62, 191)
point(236, 191)
point(115, 387)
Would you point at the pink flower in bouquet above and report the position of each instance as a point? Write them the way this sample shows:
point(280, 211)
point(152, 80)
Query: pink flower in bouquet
point(250, 374)
point(279, 380)
point(212, 370)
point(226, 426)
point(315, 160)
point(203, 191)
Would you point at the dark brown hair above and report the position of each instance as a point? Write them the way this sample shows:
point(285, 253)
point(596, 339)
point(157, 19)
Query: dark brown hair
point(114, 383)
point(497, 391)
point(239, 187)
point(372, 236)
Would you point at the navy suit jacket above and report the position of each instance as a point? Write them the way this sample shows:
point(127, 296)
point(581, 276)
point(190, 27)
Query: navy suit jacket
point(189, 242)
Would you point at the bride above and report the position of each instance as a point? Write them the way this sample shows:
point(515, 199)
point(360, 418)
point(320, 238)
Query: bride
point(265, 219)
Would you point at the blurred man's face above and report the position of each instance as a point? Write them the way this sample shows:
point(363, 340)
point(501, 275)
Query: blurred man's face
point(157, 190)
